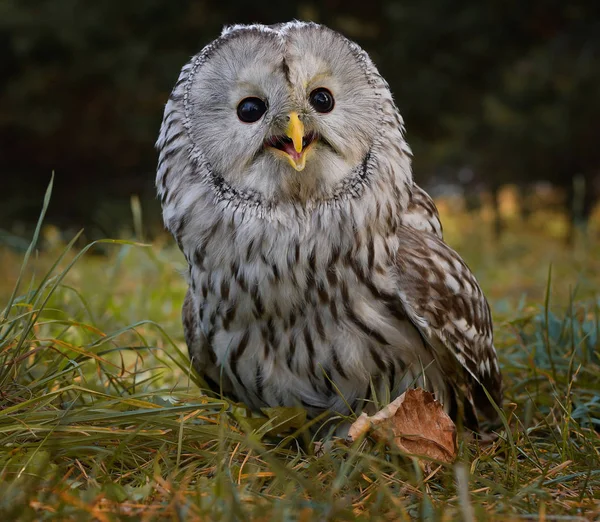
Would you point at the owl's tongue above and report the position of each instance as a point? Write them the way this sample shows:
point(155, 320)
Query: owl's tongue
point(288, 148)
point(285, 144)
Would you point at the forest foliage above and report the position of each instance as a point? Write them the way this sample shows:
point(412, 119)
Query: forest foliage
point(502, 91)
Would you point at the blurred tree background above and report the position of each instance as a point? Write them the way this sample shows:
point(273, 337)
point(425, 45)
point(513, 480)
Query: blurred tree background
point(494, 92)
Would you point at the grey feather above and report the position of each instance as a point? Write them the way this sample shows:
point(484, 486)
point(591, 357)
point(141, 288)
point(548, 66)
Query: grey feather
point(302, 280)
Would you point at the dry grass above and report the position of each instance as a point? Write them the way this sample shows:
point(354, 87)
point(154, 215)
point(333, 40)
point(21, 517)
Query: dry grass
point(101, 418)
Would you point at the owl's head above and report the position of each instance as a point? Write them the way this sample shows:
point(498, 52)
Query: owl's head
point(285, 112)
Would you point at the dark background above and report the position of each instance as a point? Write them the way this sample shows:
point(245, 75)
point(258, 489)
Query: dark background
point(492, 92)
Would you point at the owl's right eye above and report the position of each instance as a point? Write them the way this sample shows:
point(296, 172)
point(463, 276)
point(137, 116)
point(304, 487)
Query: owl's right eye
point(250, 110)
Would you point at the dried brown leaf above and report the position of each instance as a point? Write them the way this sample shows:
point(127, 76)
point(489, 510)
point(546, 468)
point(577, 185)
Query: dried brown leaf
point(416, 423)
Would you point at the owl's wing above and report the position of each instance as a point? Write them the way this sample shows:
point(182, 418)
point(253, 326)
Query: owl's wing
point(421, 213)
point(443, 300)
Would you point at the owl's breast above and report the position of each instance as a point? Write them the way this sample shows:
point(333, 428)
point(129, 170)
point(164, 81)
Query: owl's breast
point(311, 323)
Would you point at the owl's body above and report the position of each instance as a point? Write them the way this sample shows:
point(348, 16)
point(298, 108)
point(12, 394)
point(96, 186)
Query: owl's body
point(318, 277)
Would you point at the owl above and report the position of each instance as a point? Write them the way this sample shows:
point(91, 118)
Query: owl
point(318, 275)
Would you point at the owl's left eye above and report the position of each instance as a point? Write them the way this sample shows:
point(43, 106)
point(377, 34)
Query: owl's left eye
point(250, 110)
point(322, 100)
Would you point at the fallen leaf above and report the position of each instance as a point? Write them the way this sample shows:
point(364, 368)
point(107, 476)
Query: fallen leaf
point(416, 423)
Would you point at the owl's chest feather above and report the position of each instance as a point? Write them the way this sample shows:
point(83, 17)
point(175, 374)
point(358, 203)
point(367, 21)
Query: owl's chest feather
point(291, 321)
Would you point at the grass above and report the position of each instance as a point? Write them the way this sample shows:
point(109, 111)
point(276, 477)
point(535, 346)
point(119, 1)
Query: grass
point(102, 419)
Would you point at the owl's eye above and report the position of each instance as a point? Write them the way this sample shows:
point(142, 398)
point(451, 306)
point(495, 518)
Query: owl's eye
point(322, 100)
point(250, 110)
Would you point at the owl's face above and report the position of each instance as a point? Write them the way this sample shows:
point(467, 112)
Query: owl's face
point(287, 114)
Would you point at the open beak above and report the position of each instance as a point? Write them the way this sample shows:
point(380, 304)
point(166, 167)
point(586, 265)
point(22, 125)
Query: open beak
point(294, 145)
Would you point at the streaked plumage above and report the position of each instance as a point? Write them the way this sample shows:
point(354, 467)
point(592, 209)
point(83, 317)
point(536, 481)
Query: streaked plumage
point(313, 283)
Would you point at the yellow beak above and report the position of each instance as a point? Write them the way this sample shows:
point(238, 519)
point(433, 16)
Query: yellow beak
point(295, 152)
point(295, 130)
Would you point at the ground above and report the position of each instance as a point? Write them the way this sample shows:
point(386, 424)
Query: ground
point(101, 417)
